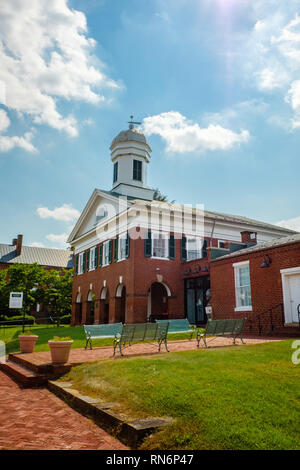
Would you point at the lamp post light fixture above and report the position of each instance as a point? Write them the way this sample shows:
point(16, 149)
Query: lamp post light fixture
point(266, 262)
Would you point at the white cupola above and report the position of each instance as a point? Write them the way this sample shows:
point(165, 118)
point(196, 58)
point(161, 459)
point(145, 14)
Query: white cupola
point(130, 154)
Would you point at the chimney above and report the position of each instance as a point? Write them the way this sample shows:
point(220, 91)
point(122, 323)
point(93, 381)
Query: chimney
point(19, 244)
point(14, 242)
point(249, 238)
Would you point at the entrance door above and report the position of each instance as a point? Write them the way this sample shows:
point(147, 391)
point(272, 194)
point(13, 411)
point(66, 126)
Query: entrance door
point(195, 293)
point(294, 291)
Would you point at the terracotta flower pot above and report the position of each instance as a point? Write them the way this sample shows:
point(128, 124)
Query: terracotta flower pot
point(27, 343)
point(60, 351)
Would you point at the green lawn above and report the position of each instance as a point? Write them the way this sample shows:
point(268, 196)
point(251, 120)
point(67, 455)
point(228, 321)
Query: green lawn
point(10, 336)
point(243, 397)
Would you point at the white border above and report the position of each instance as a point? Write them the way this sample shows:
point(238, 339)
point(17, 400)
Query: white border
point(285, 273)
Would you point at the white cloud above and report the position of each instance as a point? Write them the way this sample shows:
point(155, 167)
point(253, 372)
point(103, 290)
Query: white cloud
point(182, 135)
point(272, 61)
point(66, 213)
point(61, 239)
point(9, 142)
point(293, 224)
point(46, 55)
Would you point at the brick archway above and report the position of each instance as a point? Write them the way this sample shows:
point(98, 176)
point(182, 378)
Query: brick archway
point(158, 301)
point(104, 305)
point(120, 305)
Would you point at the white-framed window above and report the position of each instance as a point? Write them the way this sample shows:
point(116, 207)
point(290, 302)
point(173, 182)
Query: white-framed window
point(92, 259)
point(122, 247)
point(80, 263)
point(105, 254)
point(193, 248)
point(242, 286)
point(221, 244)
point(160, 245)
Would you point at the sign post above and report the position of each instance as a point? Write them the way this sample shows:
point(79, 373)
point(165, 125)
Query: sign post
point(16, 301)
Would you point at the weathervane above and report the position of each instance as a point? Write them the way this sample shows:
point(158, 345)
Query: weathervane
point(132, 123)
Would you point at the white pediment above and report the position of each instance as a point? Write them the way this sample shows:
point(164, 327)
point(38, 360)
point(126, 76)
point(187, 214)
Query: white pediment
point(100, 208)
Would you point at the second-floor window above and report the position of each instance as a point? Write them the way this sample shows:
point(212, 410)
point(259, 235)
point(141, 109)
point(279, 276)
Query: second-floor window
point(81, 259)
point(137, 170)
point(93, 259)
point(193, 248)
point(122, 247)
point(107, 253)
point(160, 246)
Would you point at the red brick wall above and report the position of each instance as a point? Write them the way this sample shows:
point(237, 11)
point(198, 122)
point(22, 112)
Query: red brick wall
point(139, 273)
point(266, 285)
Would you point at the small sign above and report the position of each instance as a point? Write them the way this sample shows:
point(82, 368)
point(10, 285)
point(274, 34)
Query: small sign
point(16, 300)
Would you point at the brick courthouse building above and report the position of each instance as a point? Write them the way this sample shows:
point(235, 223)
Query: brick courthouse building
point(137, 259)
point(260, 283)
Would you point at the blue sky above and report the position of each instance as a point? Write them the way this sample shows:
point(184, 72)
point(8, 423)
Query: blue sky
point(215, 83)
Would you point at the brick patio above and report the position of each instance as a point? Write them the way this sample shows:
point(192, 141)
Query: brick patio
point(36, 419)
point(78, 356)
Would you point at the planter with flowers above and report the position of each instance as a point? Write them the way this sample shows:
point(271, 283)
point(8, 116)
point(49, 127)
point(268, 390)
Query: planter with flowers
point(27, 342)
point(60, 349)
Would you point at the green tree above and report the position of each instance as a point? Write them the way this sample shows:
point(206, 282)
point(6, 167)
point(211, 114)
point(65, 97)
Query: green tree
point(24, 278)
point(56, 291)
point(158, 196)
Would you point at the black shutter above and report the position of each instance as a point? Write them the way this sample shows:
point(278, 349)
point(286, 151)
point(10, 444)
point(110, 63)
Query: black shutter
point(204, 249)
point(88, 260)
point(127, 245)
point(116, 249)
point(148, 245)
point(183, 249)
point(96, 257)
point(100, 255)
point(83, 262)
point(76, 264)
point(172, 247)
point(110, 252)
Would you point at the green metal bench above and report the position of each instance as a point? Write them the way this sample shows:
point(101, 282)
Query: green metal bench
point(179, 326)
point(141, 332)
point(222, 328)
point(107, 330)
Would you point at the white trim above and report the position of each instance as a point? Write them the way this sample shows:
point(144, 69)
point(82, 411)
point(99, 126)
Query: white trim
point(291, 270)
point(119, 290)
point(236, 267)
point(285, 273)
point(103, 294)
point(243, 309)
point(240, 264)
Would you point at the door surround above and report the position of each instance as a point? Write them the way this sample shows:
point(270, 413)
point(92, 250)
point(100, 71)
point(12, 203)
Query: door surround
point(285, 273)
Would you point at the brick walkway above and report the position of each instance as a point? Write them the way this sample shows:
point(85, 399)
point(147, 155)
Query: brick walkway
point(36, 419)
point(81, 355)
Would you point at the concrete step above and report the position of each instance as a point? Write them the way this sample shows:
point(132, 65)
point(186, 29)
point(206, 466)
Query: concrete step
point(24, 377)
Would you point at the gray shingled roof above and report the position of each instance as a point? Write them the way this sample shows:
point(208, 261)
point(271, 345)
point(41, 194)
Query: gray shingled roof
point(264, 246)
point(42, 256)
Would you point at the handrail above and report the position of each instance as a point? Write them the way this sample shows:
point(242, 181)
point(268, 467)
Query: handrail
point(270, 311)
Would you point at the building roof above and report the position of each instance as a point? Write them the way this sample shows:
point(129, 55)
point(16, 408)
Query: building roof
point(130, 135)
point(219, 216)
point(277, 242)
point(42, 256)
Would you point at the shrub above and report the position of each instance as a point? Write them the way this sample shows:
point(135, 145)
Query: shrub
point(65, 320)
point(17, 320)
